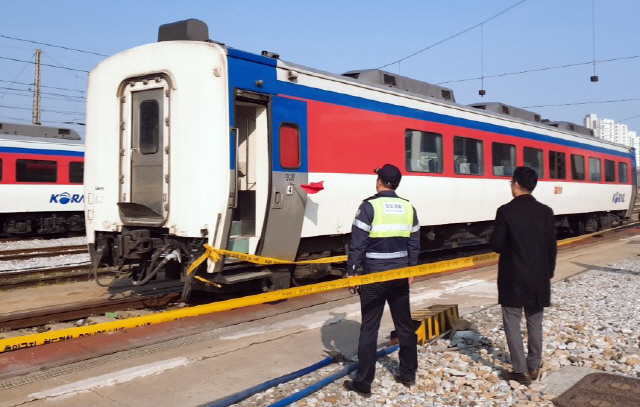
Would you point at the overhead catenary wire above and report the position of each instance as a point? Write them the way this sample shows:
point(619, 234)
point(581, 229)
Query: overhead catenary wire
point(43, 86)
point(44, 110)
point(454, 35)
point(49, 65)
point(54, 46)
point(540, 69)
point(585, 103)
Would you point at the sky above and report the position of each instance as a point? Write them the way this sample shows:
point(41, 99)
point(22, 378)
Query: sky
point(461, 41)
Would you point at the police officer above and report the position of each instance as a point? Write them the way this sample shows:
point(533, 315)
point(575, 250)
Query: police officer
point(385, 236)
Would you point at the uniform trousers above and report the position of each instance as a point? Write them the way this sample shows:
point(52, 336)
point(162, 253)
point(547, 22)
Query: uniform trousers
point(372, 301)
point(511, 317)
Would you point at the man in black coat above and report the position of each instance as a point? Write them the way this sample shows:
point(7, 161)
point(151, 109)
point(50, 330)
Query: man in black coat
point(525, 236)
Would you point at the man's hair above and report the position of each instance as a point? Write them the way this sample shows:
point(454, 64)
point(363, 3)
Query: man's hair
point(526, 177)
point(389, 184)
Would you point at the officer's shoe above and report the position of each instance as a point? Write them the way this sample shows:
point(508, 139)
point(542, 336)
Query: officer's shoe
point(408, 382)
point(522, 378)
point(353, 386)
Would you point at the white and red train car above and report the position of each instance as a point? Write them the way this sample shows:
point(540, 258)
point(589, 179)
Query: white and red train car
point(192, 142)
point(41, 173)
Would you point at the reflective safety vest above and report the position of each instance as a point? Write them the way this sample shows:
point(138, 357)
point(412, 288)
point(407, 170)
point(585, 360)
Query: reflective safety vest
point(392, 217)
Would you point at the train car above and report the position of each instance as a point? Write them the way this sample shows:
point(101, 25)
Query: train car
point(41, 174)
point(191, 142)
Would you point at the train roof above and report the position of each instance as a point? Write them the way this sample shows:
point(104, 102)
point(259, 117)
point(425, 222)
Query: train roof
point(32, 130)
point(196, 30)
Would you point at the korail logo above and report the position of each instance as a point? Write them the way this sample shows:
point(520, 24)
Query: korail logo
point(66, 198)
point(618, 197)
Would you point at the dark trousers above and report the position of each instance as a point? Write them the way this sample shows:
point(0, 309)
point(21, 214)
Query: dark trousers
point(372, 300)
point(511, 317)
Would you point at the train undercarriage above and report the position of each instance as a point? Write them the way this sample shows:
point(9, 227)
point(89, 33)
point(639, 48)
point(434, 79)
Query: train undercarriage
point(145, 254)
point(40, 223)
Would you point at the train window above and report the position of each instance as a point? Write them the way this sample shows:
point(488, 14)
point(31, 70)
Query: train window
point(36, 171)
point(577, 167)
point(504, 159)
point(423, 151)
point(595, 172)
point(289, 146)
point(533, 158)
point(622, 173)
point(149, 127)
point(557, 165)
point(468, 156)
point(76, 172)
point(609, 171)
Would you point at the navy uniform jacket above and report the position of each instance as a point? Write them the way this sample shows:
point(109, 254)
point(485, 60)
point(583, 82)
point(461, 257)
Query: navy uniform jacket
point(525, 236)
point(361, 243)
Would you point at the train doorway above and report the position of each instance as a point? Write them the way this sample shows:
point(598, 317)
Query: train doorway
point(250, 178)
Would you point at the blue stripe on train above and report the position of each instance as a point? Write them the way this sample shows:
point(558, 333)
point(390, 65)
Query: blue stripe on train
point(64, 153)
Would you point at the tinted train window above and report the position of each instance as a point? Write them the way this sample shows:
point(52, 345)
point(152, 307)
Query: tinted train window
point(289, 146)
point(504, 159)
point(423, 151)
point(533, 158)
point(467, 157)
point(622, 173)
point(36, 171)
point(577, 167)
point(76, 172)
point(609, 171)
point(149, 127)
point(557, 165)
point(595, 172)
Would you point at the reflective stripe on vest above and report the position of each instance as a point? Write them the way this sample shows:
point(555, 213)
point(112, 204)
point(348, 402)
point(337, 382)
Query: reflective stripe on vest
point(394, 255)
point(392, 217)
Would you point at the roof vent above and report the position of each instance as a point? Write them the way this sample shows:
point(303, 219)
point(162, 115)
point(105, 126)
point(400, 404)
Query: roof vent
point(270, 54)
point(568, 126)
point(185, 30)
point(390, 80)
point(508, 110)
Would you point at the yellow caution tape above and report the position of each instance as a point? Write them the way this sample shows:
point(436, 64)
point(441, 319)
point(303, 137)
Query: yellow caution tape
point(214, 254)
point(10, 344)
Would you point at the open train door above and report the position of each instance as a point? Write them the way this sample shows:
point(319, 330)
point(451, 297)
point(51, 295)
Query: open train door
point(289, 169)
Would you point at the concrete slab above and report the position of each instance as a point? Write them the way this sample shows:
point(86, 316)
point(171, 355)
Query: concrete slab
point(560, 381)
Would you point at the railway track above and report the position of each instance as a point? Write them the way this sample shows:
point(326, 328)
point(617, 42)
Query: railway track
point(31, 253)
point(84, 310)
point(46, 276)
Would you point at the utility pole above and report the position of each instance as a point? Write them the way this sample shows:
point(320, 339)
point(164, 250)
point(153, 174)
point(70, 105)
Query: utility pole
point(36, 90)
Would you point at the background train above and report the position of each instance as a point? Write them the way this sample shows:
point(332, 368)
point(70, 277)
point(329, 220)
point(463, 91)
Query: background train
point(191, 142)
point(41, 173)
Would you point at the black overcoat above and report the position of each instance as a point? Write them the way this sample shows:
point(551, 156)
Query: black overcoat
point(524, 234)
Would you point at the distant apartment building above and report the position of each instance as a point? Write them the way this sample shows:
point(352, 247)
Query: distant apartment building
point(608, 129)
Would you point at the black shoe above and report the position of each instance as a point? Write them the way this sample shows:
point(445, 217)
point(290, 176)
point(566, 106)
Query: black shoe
point(351, 386)
point(534, 374)
point(405, 381)
point(522, 378)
